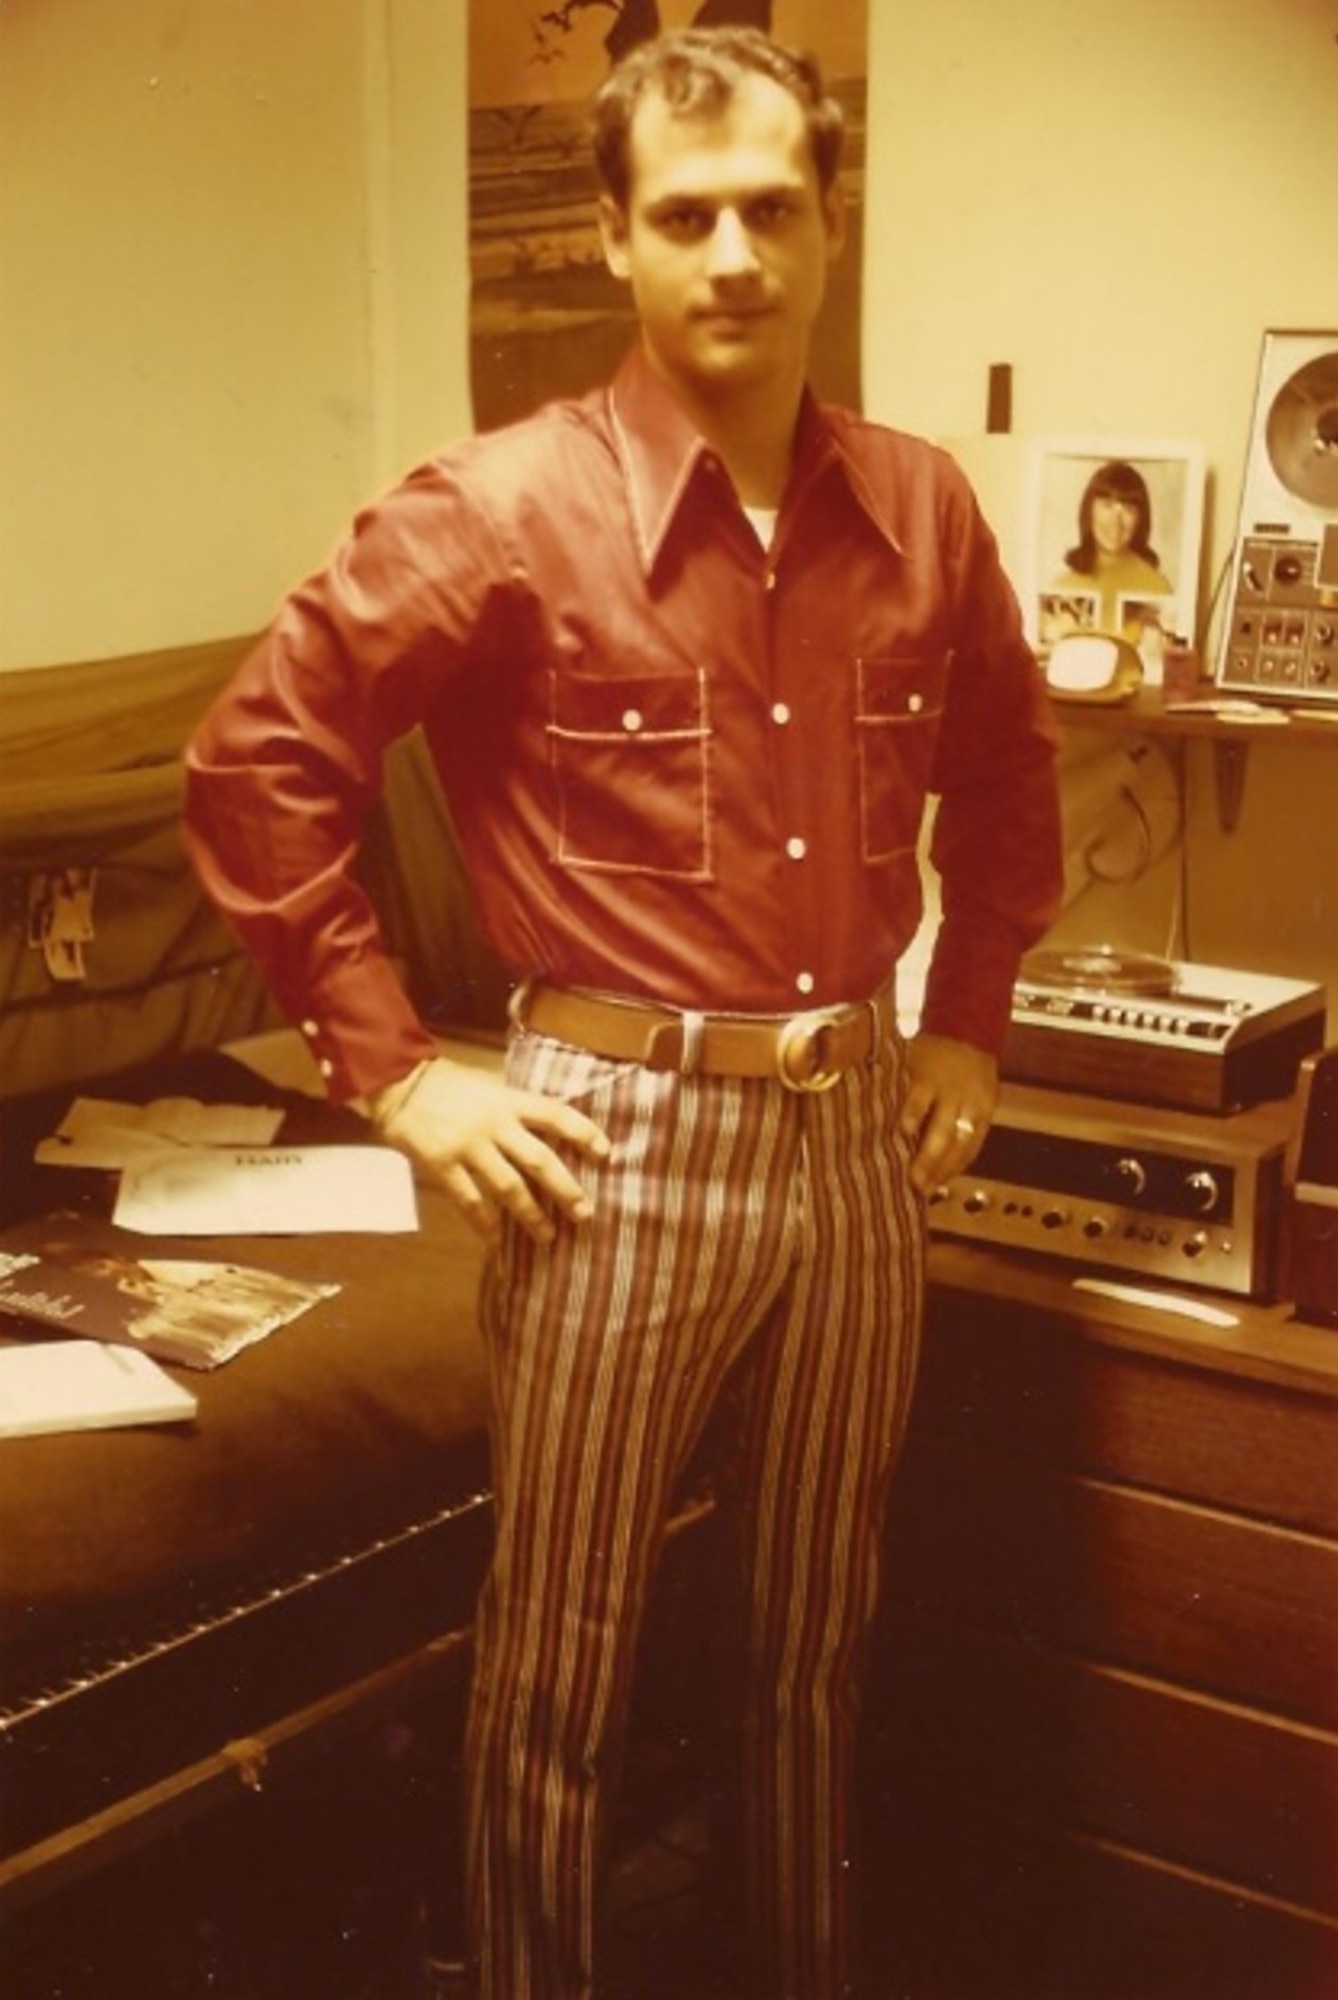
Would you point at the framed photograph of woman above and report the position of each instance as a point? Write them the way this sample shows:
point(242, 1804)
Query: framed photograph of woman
point(1115, 533)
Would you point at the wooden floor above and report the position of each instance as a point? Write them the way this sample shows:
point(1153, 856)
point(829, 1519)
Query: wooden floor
point(325, 1896)
point(659, 1946)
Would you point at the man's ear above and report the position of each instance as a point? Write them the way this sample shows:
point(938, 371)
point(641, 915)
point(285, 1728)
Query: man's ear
point(613, 235)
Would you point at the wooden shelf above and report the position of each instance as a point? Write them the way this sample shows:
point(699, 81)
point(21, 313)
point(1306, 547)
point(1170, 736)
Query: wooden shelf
point(1232, 736)
point(1268, 1344)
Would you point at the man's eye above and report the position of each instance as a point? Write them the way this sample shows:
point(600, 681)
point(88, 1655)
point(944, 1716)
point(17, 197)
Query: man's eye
point(768, 212)
point(683, 221)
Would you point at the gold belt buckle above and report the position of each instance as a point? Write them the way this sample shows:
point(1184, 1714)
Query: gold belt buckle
point(799, 1062)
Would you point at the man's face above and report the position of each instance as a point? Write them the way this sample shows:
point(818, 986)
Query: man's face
point(725, 240)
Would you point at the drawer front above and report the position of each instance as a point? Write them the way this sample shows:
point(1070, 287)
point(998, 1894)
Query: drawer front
point(1176, 1776)
point(1236, 1608)
point(971, 1906)
point(1030, 1382)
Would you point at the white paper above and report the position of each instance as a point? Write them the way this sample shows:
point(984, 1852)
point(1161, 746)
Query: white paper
point(269, 1191)
point(1147, 1295)
point(103, 1133)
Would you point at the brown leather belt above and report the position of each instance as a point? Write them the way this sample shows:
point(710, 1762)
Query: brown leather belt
point(808, 1051)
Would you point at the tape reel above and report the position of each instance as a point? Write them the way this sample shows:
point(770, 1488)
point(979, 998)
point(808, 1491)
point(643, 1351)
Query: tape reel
point(1301, 433)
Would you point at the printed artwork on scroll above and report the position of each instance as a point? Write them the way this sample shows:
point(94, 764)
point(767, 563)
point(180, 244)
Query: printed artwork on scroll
point(546, 316)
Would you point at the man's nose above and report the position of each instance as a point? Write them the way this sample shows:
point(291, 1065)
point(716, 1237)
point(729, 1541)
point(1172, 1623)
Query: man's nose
point(732, 252)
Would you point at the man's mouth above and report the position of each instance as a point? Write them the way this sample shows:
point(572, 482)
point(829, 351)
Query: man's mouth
point(733, 315)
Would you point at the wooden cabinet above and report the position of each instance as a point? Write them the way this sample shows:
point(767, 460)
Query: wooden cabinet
point(1104, 1710)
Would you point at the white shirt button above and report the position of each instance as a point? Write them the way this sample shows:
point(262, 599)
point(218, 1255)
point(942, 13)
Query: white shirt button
point(632, 720)
point(780, 713)
point(311, 1029)
point(796, 847)
point(325, 1066)
point(916, 703)
point(805, 983)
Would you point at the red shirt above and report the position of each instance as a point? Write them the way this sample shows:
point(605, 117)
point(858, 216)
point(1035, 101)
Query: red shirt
point(681, 766)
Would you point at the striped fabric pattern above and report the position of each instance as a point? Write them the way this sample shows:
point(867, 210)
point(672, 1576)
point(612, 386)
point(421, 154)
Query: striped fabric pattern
point(742, 1235)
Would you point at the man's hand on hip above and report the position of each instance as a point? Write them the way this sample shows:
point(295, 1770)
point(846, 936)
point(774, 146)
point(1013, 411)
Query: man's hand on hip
point(949, 1103)
point(490, 1145)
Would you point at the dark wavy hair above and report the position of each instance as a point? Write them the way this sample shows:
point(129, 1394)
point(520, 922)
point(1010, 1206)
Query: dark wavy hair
point(698, 70)
point(1116, 480)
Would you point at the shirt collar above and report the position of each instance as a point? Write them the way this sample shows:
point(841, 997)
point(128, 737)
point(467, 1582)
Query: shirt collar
point(834, 440)
point(660, 451)
point(658, 447)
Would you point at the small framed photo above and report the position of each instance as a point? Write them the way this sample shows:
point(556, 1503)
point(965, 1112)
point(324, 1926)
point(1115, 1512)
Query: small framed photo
point(1060, 613)
point(1115, 530)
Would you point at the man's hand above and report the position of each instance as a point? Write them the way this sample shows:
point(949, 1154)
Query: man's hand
point(488, 1145)
point(949, 1104)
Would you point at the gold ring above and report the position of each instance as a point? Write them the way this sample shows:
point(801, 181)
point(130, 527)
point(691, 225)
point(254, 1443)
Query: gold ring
point(965, 1128)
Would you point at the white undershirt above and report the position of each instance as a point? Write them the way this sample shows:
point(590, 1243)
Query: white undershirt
point(764, 523)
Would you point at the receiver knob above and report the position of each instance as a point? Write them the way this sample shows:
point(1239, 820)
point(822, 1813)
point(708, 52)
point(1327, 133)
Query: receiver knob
point(1203, 1190)
point(976, 1202)
point(1131, 1175)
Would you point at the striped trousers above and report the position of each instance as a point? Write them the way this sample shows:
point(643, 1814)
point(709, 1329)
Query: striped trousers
point(741, 1231)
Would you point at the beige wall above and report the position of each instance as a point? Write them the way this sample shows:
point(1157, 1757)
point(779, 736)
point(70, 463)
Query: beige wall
point(233, 245)
point(1117, 201)
point(232, 239)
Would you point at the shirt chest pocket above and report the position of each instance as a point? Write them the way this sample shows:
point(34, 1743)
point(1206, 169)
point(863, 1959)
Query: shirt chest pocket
point(898, 707)
point(630, 771)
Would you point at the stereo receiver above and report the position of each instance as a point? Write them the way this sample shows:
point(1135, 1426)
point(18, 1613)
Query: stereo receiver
point(1133, 1187)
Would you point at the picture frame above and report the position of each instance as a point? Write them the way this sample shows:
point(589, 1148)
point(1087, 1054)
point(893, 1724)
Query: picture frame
point(1114, 536)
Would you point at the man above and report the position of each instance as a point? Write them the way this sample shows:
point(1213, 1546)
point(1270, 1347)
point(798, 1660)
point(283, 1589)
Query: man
point(689, 654)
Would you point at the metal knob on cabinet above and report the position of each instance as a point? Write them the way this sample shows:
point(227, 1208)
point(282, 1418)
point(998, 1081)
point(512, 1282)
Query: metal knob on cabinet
point(1132, 1176)
point(1204, 1190)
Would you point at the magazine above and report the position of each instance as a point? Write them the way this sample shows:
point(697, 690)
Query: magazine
point(72, 1277)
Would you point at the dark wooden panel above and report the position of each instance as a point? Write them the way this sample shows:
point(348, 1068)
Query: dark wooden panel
point(1218, 1788)
point(1032, 1382)
point(975, 1907)
point(1234, 1607)
point(1265, 1343)
point(1102, 1753)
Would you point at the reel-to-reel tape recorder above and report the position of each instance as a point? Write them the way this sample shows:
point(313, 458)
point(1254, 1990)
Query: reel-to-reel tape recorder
point(1280, 640)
